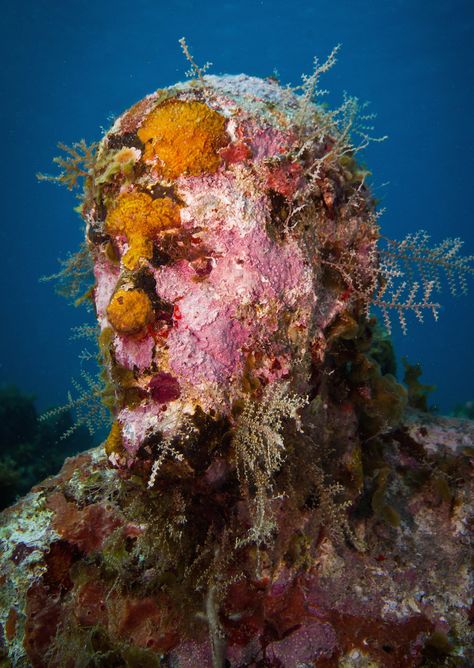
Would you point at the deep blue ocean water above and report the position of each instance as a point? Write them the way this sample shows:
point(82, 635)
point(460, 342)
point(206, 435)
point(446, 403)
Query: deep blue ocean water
point(68, 68)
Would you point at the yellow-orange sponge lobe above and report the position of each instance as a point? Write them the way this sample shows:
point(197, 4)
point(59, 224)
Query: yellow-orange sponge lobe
point(113, 443)
point(141, 219)
point(185, 137)
point(129, 311)
point(138, 214)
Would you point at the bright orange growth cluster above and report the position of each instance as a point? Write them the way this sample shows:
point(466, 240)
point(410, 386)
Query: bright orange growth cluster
point(141, 219)
point(129, 311)
point(185, 137)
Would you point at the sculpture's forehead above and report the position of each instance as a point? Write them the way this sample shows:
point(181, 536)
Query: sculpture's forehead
point(246, 90)
point(232, 95)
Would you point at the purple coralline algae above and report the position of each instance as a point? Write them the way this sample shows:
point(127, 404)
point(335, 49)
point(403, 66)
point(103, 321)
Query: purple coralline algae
point(266, 496)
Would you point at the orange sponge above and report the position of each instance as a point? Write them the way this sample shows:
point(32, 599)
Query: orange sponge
point(141, 219)
point(185, 137)
point(129, 311)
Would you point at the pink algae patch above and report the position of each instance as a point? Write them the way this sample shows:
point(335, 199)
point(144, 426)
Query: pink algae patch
point(172, 281)
point(267, 142)
point(133, 351)
point(286, 179)
point(133, 118)
point(106, 276)
point(211, 352)
point(190, 654)
point(306, 644)
point(283, 268)
point(235, 153)
point(138, 422)
point(248, 268)
point(252, 279)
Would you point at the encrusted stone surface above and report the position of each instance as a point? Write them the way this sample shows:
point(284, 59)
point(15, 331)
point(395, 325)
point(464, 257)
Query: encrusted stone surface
point(215, 213)
point(402, 600)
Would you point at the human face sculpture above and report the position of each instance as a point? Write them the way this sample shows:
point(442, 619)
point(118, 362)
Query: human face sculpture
point(204, 294)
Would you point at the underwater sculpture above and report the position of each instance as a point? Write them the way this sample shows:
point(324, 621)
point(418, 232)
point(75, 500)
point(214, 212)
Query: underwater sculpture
point(264, 497)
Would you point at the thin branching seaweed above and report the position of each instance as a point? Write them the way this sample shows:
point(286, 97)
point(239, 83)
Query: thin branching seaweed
point(75, 166)
point(87, 405)
point(75, 279)
point(260, 451)
point(195, 72)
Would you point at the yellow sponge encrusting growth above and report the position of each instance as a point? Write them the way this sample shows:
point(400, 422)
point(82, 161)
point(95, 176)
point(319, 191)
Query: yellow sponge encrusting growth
point(185, 137)
point(113, 443)
point(141, 219)
point(129, 311)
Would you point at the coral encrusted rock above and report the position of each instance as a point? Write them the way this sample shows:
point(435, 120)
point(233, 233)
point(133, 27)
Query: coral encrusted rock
point(83, 585)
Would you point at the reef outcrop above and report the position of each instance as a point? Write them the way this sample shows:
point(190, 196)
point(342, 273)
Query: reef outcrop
point(84, 584)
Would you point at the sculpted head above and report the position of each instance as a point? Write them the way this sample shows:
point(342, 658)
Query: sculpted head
point(215, 215)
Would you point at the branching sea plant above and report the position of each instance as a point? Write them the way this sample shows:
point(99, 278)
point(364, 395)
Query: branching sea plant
point(194, 72)
point(331, 511)
point(260, 450)
point(85, 331)
point(75, 279)
point(348, 127)
point(325, 137)
point(434, 263)
point(412, 269)
point(87, 405)
point(309, 90)
point(75, 166)
point(166, 450)
point(404, 276)
point(405, 273)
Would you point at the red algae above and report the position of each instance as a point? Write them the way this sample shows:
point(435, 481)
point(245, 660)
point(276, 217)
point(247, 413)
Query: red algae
point(87, 529)
point(164, 388)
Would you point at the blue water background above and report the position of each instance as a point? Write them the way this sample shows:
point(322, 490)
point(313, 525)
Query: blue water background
point(68, 68)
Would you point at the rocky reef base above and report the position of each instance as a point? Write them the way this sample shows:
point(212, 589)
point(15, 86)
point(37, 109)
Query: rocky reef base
point(82, 579)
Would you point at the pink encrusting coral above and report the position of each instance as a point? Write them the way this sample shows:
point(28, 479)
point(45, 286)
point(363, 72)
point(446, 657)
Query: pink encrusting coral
point(106, 275)
point(134, 353)
point(250, 274)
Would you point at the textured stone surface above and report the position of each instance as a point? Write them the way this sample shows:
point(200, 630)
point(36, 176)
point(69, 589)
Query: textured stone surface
point(404, 598)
